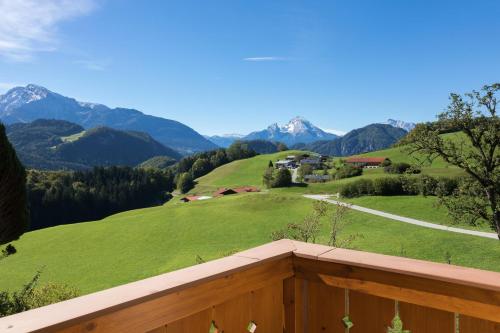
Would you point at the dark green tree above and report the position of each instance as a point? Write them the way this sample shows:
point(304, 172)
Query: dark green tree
point(282, 178)
point(14, 217)
point(476, 151)
point(281, 146)
point(270, 164)
point(200, 168)
point(185, 182)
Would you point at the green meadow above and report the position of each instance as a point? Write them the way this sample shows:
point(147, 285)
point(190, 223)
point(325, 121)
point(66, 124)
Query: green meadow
point(140, 243)
point(137, 244)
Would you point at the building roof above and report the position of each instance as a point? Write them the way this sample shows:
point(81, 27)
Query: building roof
point(246, 189)
point(366, 159)
point(224, 191)
point(190, 198)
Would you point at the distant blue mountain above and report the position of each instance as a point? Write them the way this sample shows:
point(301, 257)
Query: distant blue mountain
point(26, 104)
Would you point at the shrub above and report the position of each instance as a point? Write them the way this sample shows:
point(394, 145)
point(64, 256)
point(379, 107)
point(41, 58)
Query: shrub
point(400, 168)
point(282, 178)
point(32, 296)
point(388, 186)
point(403, 185)
point(386, 162)
point(446, 186)
point(427, 185)
point(348, 171)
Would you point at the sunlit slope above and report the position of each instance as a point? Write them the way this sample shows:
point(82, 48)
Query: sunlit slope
point(146, 242)
point(238, 173)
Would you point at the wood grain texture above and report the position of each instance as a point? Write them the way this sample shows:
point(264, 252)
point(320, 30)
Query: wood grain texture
point(266, 308)
point(325, 308)
point(172, 307)
point(370, 314)
point(474, 325)
point(423, 319)
point(473, 301)
point(289, 305)
point(197, 323)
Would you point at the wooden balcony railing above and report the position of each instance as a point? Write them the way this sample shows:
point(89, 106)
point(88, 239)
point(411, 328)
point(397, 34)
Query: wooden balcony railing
point(285, 286)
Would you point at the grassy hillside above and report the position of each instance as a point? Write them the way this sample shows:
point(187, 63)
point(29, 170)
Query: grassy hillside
point(238, 173)
point(141, 243)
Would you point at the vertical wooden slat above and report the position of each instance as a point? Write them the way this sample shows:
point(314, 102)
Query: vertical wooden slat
point(423, 319)
point(299, 305)
point(326, 308)
point(266, 308)
point(289, 305)
point(234, 315)
point(370, 313)
point(474, 325)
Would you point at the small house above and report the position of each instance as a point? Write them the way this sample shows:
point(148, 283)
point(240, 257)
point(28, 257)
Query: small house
point(285, 164)
point(224, 191)
point(366, 162)
point(314, 162)
point(190, 198)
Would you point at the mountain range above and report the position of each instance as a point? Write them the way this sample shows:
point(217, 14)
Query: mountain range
point(26, 104)
point(297, 130)
point(369, 138)
point(59, 144)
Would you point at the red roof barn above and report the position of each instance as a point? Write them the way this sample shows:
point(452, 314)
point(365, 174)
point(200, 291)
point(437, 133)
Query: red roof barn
point(190, 198)
point(224, 191)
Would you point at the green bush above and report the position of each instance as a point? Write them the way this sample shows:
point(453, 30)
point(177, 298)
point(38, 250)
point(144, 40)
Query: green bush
point(282, 178)
point(348, 171)
point(33, 296)
point(403, 185)
point(400, 168)
point(388, 186)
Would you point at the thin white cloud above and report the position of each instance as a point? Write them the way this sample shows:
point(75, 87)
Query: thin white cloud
point(94, 65)
point(334, 131)
point(265, 59)
point(30, 26)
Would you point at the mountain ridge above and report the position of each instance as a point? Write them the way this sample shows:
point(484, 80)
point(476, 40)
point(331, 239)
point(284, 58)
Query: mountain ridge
point(361, 140)
point(26, 104)
point(58, 144)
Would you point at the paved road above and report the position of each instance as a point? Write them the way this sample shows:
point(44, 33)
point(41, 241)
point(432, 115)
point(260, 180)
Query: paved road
point(403, 219)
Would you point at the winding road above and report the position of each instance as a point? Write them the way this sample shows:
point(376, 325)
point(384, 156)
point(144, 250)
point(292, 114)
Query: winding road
point(402, 218)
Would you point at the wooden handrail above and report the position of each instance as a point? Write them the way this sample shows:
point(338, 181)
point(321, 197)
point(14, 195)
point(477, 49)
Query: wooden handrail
point(148, 304)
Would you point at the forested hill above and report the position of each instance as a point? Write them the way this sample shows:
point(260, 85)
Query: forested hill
point(369, 138)
point(57, 144)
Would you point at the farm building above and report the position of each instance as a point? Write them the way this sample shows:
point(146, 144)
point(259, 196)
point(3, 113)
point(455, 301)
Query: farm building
point(282, 164)
point(224, 191)
point(244, 189)
point(190, 198)
point(366, 162)
point(314, 162)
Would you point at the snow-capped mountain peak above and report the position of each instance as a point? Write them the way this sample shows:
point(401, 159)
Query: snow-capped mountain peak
point(297, 125)
point(18, 96)
point(407, 126)
point(297, 130)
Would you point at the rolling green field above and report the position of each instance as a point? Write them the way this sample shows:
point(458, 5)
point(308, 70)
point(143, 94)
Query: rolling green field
point(238, 173)
point(140, 243)
point(414, 206)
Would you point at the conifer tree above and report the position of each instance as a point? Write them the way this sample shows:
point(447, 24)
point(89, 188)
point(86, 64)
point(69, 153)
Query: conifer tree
point(14, 215)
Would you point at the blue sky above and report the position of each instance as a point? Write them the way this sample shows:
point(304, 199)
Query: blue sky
point(237, 66)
